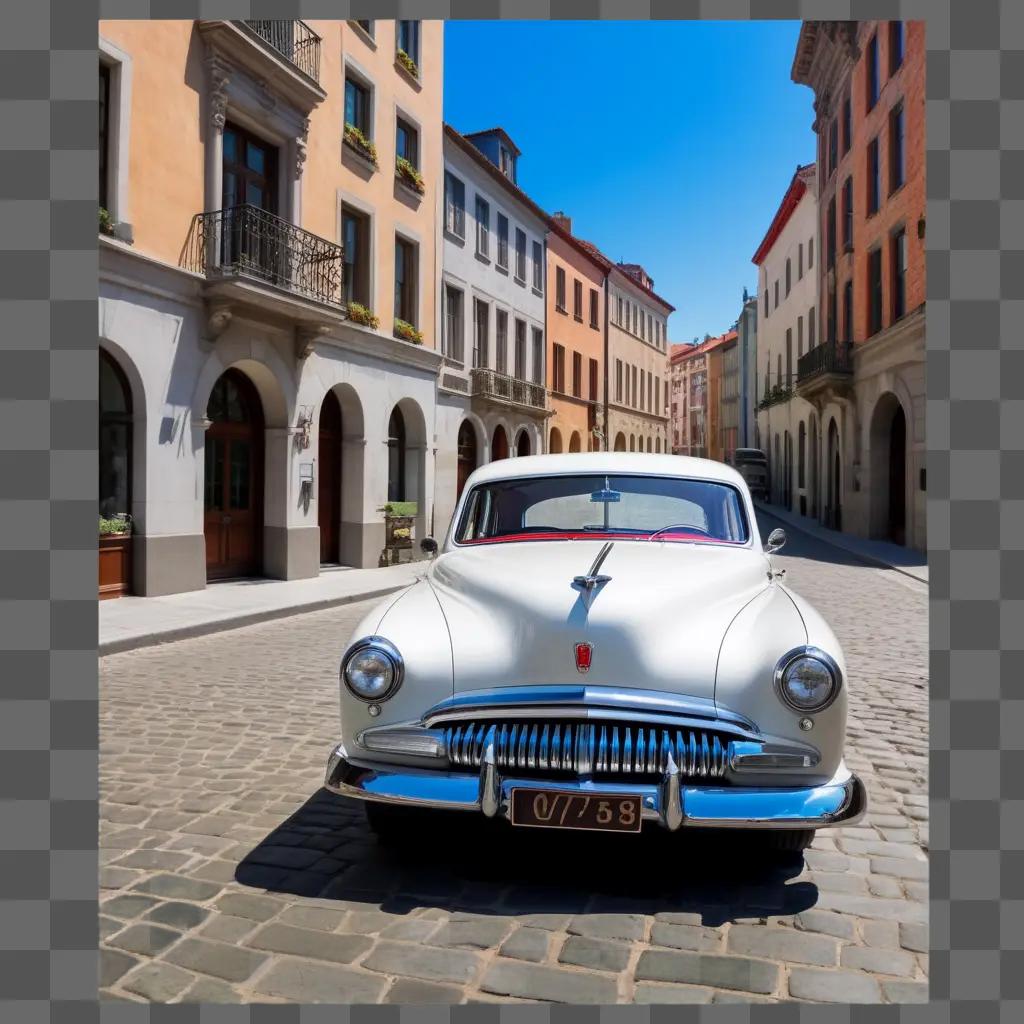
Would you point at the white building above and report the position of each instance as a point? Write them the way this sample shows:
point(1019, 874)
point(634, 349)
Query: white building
point(787, 292)
point(491, 397)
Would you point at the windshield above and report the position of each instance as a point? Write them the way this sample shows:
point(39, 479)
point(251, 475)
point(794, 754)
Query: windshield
point(603, 507)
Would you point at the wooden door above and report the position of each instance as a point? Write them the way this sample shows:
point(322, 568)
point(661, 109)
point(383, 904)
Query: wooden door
point(233, 498)
point(329, 477)
point(467, 456)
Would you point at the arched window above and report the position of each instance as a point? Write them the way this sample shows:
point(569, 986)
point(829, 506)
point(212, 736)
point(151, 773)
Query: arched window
point(523, 443)
point(657, 445)
point(115, 440)
point(620, 442)
point(650, 445)
point(396, 456)
point(632, 442)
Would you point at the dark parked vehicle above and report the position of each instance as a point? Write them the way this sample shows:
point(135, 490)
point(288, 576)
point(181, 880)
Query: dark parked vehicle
point(753, 467)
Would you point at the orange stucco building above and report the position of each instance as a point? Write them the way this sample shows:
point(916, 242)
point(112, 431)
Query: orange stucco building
point(577, 336)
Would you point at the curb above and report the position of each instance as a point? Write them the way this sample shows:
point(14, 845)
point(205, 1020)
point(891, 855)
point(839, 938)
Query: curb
point(862, 556)
point(238, 621)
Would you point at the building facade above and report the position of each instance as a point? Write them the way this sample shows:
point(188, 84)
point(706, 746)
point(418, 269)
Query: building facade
point(492, 399)
point(637, 363)
point(268, 282)
point(577, 334)
point(729, 396)
point(746, 341)
point(866, 380)
point(787, 299)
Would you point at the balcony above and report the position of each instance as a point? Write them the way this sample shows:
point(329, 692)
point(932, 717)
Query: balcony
point(500, 387)
point(283, 54)
point(256, 258)
point(826, 368)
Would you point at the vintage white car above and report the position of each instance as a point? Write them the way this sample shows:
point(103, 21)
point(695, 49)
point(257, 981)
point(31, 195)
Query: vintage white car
point(601, 641)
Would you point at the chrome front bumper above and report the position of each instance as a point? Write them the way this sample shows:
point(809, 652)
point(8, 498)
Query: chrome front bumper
point(672, 802)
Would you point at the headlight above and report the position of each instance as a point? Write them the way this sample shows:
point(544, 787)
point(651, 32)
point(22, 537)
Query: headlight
point(807, 679)
point(372, 669)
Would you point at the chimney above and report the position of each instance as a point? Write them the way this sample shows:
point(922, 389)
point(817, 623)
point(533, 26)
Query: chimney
point(563, 220)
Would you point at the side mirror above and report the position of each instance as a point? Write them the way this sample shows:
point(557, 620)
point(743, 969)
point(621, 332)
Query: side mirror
point(428, 546)
point(776, 541)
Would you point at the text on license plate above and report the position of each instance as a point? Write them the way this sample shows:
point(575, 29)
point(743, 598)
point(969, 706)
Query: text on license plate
point(609, 812)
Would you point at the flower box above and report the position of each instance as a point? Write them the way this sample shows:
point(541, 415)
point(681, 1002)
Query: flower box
point(406, 332)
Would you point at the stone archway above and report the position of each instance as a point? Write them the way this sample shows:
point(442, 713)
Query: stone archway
point(833, 479)
point(467, 456)
point(499, 444)
point(555, 443)
point(574, 441)
point(620, 442)
point(523, 446)
point(889, 490)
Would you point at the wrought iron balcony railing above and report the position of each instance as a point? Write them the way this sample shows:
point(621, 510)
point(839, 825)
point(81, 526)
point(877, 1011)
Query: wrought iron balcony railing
point(246, 241)
point(491, 384)
point(294, 40)
point(829, 357)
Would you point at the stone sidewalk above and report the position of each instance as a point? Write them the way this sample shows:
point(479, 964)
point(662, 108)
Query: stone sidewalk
point(131, 622)
point(228, 874)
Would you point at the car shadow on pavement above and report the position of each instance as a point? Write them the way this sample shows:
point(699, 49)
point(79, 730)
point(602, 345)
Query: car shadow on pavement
point(463, 862)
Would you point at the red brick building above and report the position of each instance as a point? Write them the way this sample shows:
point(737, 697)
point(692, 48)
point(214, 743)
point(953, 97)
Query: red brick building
point(865, 378)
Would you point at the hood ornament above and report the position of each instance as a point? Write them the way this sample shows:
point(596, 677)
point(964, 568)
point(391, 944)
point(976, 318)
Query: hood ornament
point(592, 579)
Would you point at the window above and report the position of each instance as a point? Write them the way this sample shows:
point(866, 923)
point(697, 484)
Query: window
point(799, 336)
point(396, 456)
point(766, 301)
point(501, 340)
point(874, 291)
point(847, 133)
point(104, 135)
point(896, 151)
point(407, 142)
point(558, 369)
point(642, 323)
point(633, 391)
point(115, 439)
point(409, 39)
point(896, 46)
point(830, 235)
point(643, 381)
point(618, 380)
point(357, 106)
point(483, 227)
point(832, 324)
point(481, 316)
point(405, 281)
point(789, 357)
point(899, 274)
point(538, 266)
point(367, 27)
point(520, 369)
point(810, 253)
point(577, 299)
point(249, 175)
point(776, 306)
point(650, 327)
point(506, 163)
point(833, 146)
point(560, 289)
point(538, 356)
point(577, 375)
point(355, 247)
point(848, 214)
point(872, 78)
point(593, 308)
point(503, 241)
point(800, 262)
point(593, 380)
point(454, 205)
point(789, 276)
point(848, 311)
point(453, 323)
point(618, 319)
point(521, 255)
point(874, 177)
point(634, 320)
point(812, 327)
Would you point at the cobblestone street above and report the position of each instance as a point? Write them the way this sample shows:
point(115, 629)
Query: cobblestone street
point(228, 874)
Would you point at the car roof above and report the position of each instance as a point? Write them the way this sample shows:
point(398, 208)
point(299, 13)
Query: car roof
point(619, 463)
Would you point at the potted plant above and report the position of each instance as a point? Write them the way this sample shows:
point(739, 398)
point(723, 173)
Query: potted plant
point(407, 332)
point(360, 143)
point(115, 555)
point(409, 176)
point(407, 63)
point(399, 518)
point(359, 314)
point(106, 222)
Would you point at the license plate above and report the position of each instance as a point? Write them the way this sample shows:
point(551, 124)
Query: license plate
point(600, 812)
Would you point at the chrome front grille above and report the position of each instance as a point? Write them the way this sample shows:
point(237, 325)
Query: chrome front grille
point(585, 748)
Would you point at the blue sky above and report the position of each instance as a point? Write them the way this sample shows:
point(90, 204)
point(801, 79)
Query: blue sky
point(670, 144)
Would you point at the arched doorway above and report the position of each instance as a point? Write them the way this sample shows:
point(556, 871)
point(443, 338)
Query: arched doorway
point(499, 444)
point(467, 456)
point(632, 442)
point(898, 477)
point(777, 474)
point(522, 444)
point(329, 479)
point(555, 444)
point(233, 493)
point(650, 445)
point(396, 456)
point(833, 505)
point(115, 477)
point(801, 466)
point(657, 446)
point(574, 441)
point(620, 442)
point(813, 475)
point(787, 470)
point(889, 470)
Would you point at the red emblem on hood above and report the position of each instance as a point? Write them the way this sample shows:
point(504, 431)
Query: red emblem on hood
point(584, 652)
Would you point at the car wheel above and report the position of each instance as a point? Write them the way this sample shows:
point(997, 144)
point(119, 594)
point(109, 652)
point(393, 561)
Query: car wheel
point(788, 840)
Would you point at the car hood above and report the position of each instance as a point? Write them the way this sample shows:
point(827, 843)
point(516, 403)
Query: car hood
point(515, 617)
